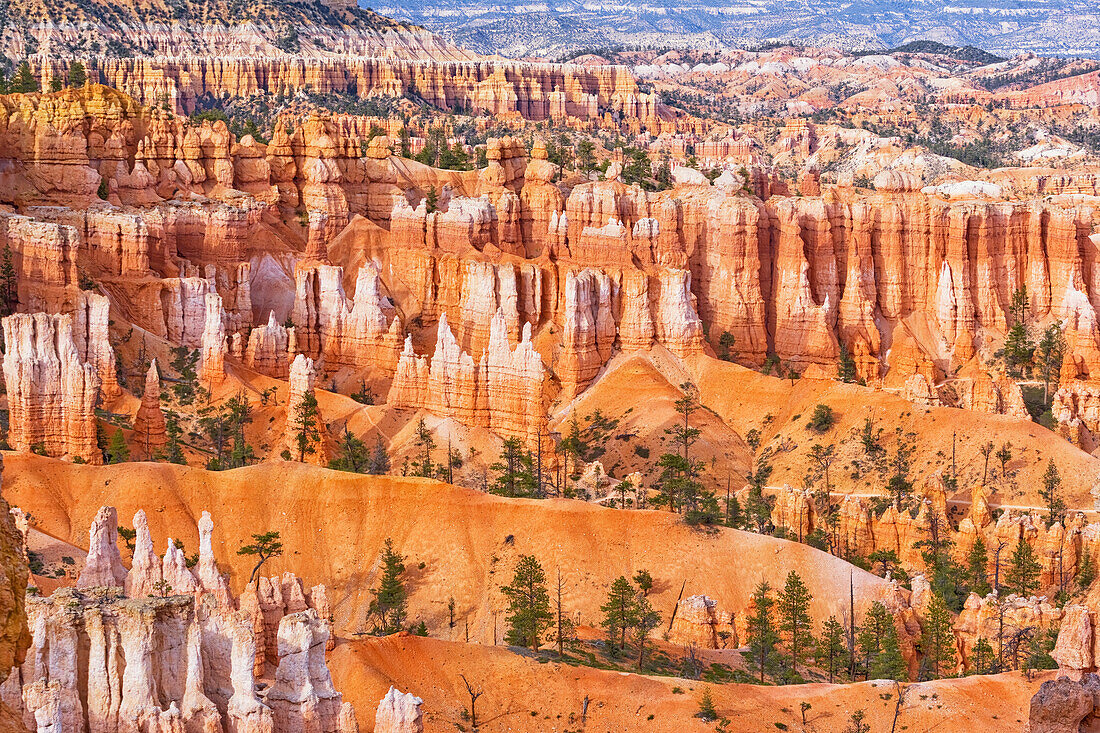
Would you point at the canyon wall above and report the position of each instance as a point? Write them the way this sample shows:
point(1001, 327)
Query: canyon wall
point(913, 287)
point(532, 91)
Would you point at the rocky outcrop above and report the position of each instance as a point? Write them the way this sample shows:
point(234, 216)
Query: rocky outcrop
point(52, 393)
point(267, 600)
point(189, 655)
point(103, 565)
point(150, 431)
point(302, 696)
point(268, 350)
point(699, 621)
point(1064, 706)
point(213, 344)
point(399, 712)
point(998, 619)
point(336, 331)
point(504, 392)
point(92, 337)
point(1076, 409)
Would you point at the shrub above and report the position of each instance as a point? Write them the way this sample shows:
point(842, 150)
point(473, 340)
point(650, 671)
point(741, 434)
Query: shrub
point(822, 419)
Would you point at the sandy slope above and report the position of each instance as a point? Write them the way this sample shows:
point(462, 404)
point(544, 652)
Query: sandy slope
point(458, 542)
point(522, 694)
point(743, 398)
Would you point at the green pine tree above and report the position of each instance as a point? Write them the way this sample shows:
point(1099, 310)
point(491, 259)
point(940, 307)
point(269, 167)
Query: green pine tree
point(831, 652)
point(794, 614)
point(619, 614)
point(24, 80)
point(846, 367)
point(425, 444)
point(379, 463)
point(1052, 482)
point(77, 75)
point(976, 561)
point(646, 618)
point(985, 661)
point(938, 640)
point(1086, 571)
point(515, 471)
point(889, 664)
point(390, 598)
point(9, 283)
point(352, 454)
point(529, 612)
point(307, 435)
point(1022, 574)
point(117, 450)
point(761, 631)
point(173, 447)
point(878, 645)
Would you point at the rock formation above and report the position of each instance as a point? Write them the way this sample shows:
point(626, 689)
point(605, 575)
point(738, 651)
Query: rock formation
point(1064, 706)
point(214, 347)
point(699, 621)
point(399, 712)
point(150, 431)
point(505, 392)
point(52, 393)
point(189, 654)
point(338, 332)
point(103, 565)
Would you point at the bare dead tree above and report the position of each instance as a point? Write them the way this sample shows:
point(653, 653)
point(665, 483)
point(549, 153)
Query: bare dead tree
point(997, 566)
point(474, 695)
point(897, 707)
point(561, 643)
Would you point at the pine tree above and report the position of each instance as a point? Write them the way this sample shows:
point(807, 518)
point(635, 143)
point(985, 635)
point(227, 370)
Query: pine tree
point(678, 486)
point(619, 614)
point(55, 84)
point(878, 645)
point(379, 458)
point(173, 447)
point(77, 75)
point(9, 283)
point(1049, 355)
point(352, 454)
point(977, 560)
point(846, 366)
point(1019, 348)
point(515, 471)
point(646, 618)
point(938, 640)
point(985, 662)
point(307, 436)
point(24, 81)
point(794, 613)
point(831, 650)
point(889, 664)
point(117, 450)
point(265, 546)
point(390, 598)
point(761, 631)
point(1086, 571)
point(1052, 481)
point(425, 444)
point(528, 604)
point(1022, 574)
